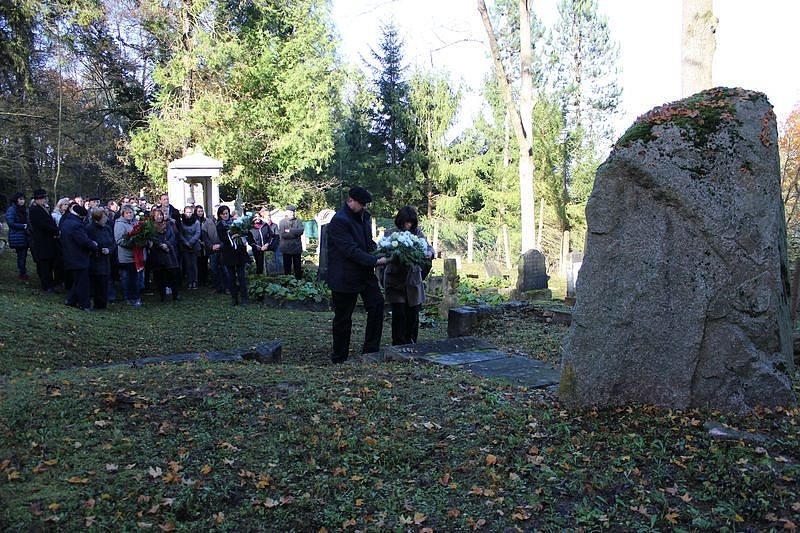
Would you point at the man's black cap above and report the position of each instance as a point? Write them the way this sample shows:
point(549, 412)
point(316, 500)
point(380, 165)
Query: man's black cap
point(360, 195)
point(39, 193)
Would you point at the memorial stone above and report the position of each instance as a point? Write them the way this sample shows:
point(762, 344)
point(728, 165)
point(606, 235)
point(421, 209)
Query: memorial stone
point(682, 300)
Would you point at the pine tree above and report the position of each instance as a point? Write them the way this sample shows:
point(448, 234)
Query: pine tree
point(390, 118)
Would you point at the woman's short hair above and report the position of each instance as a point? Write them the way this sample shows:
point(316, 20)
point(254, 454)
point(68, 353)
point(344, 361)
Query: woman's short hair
point(63, 202)
point(126, 207)
point(97, 213)
point(407, 214)
point(221, 209)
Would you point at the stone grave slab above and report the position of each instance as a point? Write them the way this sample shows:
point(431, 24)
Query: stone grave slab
point(433, 349)
point(476, 356)
point(518, 370)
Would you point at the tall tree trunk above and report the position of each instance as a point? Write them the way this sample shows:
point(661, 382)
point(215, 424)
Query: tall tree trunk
point(698, 44)
point(187, 43)
point(522, 115)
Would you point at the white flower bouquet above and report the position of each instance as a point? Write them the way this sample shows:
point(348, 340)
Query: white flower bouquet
point(404, 247)
point(239, 227)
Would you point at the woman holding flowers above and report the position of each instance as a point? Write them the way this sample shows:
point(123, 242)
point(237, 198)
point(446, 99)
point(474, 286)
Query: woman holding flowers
point(164, 255)
point(408, 249)
point(130, 253)
point(232, 236)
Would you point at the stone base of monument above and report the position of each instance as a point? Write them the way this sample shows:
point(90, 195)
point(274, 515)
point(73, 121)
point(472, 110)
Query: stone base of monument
point(480, 358)
point(544, 295)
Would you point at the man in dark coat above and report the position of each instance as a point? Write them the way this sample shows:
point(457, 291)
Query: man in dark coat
point(77, 247)
point(351, 271)
point(290, 230)
point(44, 239)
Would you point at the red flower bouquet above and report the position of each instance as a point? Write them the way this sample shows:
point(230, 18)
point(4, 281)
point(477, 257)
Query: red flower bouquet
point(136, 239)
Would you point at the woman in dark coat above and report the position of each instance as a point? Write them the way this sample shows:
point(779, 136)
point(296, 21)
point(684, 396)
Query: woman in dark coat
point(77, 247)
point(259, 238)
point(17, 219)
point(403, 284)
point(164, 256)
point(44, 240)
point(234, 257)
point(189, 236)
point(100, 262)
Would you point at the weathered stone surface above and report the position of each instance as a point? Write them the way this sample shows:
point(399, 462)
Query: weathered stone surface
point(461, 321)
point(532, 272)
point(266, 352)
point(682, 296)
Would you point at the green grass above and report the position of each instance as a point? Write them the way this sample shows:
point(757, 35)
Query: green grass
point(306, 445)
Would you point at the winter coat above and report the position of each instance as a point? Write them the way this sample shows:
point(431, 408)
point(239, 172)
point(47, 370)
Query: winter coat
point(17, 219)
point(234, 251)
point(100, 263)
point(44, 234)
point(290, 240)
point(258, 237)
point(160, 258)
point(75, 243)
point(121, 228)
point(351, 266)
point(189, 234)
point(208, 230)
point(403, 284)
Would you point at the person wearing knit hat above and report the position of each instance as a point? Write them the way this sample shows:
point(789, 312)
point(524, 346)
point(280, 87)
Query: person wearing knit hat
point(351, 272)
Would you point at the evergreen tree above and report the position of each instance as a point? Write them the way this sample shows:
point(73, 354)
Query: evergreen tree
point(391, 123)
point(583, 69)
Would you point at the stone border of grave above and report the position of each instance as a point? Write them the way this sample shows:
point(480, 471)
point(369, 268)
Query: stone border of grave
point(297, 305)
point(462, 320)
point(265, 352)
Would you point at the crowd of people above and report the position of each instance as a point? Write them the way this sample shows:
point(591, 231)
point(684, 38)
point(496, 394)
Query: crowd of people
point(84, 248)
point(90, 250)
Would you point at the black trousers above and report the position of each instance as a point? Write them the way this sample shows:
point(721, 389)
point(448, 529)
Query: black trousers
point(290, 261)
point(405, 324)
point(44, 269)
point(167, 277)
point(78, 295)
point(258, 256)
point(99, 283)
point(343, 305)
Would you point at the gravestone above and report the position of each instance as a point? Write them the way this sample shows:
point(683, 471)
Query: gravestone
point(574, 261)
point(450, 287)
point(532, 272)
point(682, 300)
point(532, 277)
point(323, 218)
point(492, 269)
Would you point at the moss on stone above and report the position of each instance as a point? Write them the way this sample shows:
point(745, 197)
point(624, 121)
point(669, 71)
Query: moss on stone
point(698, 116)
point(566, 386)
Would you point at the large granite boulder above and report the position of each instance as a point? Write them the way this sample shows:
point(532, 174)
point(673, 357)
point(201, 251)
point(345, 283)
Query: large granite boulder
point(682, 300)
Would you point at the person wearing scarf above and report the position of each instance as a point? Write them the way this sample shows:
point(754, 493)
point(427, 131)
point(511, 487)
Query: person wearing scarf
point(189, 235)
point(234, 257)
point(164, 255)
